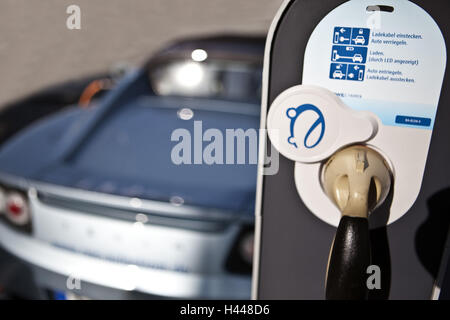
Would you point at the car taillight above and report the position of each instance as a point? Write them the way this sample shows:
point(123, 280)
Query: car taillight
point(16, 208)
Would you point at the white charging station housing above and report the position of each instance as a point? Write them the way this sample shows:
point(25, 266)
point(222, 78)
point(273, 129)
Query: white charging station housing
point(401, 67)
point(363, 82)
point(344, 100)
point(406, 90)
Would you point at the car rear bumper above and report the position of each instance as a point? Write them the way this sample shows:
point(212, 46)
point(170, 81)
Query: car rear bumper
point(22, 280)
point(60, 269)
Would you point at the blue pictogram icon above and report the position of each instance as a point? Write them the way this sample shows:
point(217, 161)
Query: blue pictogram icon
point(349, 54)
point(360, 36)
point(342, 35)
point(356, 72)
point(294, 113)
point(338, 71)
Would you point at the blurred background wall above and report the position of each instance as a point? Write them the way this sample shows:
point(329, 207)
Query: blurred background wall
point(38, 50)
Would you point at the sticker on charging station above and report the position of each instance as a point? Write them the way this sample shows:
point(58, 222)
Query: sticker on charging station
point(379, 61)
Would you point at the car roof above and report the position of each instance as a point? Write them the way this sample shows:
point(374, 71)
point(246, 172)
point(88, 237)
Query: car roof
point(219, 46)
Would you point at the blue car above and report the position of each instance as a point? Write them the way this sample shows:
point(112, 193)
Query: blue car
point(93, 204)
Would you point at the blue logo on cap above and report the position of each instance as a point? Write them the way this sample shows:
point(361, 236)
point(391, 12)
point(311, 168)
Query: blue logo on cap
point(294, 115)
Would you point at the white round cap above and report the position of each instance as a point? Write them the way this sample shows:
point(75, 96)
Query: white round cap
point(309, 123)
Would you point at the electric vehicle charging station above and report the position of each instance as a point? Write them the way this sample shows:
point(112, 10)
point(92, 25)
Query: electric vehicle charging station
point(354, 100)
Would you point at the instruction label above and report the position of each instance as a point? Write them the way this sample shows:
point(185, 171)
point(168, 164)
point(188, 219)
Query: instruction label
point(386, 63)
point(393, 68)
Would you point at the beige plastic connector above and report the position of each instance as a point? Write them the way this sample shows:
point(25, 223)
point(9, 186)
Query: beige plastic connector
point(357, 179)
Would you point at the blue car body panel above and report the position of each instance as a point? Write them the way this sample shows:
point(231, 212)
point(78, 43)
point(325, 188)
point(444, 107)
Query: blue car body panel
point(123, 146)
